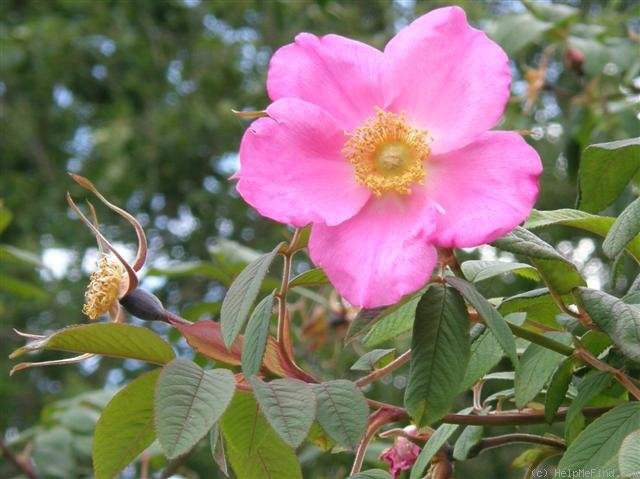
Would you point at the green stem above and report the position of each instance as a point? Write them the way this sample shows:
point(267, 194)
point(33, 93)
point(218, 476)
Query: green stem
point(541, 340)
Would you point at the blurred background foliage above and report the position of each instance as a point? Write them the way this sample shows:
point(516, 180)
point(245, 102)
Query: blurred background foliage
point(138, 97)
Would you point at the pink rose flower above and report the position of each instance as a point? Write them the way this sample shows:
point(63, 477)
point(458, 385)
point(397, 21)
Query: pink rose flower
point(401, 456)
point(389, 154)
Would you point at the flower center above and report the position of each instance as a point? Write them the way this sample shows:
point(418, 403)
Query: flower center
point(387, 153)
point(102, 292)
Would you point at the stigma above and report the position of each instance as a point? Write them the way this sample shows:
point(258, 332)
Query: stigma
point(104, 285)
point(387, 153)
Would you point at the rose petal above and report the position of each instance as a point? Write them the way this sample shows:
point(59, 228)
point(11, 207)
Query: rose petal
point(381, 254)
point(484, 189)
point(336, 73)
point(291, 168)
point(448, 77)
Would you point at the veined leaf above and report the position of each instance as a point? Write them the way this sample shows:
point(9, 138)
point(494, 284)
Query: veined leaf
point(312, 277)
point(342, 411)
point(598, 188)
point(618, 319)
point(255, 451)
point(108, 339)
point(372, 359)
point(371, 474)
point(479, 270)
point(558, 387)
point(557, 272)
point(537, 364)
point(629, 455)
point(440, 351)
point(289, 406)
point(600, 441)
point(241, 295)
point(492, 318)
point(369, 318)
point(589, 387)
point(393, 324)
point(125, 428)
point(433, 445)
point(189, 400)
point(600, 225)
point(625, 232)
point(485, 355)
point(469, 437)
point(255, 338)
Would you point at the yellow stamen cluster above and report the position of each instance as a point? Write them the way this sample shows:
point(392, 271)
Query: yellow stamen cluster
point(387, 153)
point(102, 292)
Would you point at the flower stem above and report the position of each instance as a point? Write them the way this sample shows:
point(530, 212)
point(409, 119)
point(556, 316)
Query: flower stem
point(22, 465)
point(496, 441)
point(378, 419)
point(384, 371)
point(498, 418)
point(540, 339)
point(621, 377)
point(285, 344)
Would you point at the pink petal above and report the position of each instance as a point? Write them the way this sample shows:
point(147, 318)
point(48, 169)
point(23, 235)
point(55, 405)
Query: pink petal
point(381, 254)
point(484, 189)
point(448, 77)
point(336, 73)
point(291, 168)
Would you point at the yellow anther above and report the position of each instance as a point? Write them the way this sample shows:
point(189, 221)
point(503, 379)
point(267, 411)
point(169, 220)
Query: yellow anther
point(102, 293)
point(387, 153)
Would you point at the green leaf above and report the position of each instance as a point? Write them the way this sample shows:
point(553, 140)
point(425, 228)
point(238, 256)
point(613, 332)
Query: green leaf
point(537, 364)
point(371, 474)
point(516, 31)
point(289, 406)
point(625, 230)
point(486, 353)
point(255, 338)
point(241, 295)
point(619, 320)
point(599, 443)
point(469, 437)
point(342, 411)
point(478, 270)
point(255, 451)
point(108, 339)
point(125, 428)
point(440, 351)
point(558, 273)
point(5, 217)
point(558, 387)
point(373, 359)
point(538, 305)
point(368, 318)
point(598, 187)
point(600, 225)
point(190, 269)
point(556, 13)
point(53, 454)
point(216, 446)
point(189, 400)
point(433, 445)
point(590, 386)
point(492, 318)
point(629, 455)
point(312, 277)
point(22, 289)
point(392, 324)
point(20, 256)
